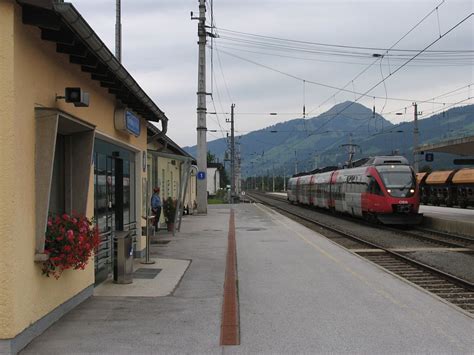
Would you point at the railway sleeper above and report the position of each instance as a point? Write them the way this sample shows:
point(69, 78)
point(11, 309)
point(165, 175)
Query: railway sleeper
point(403, 267)
point(460, 300)
point(387, 260)
point(426, 284)
point(437, 289)
point(462, 295)
point(425, 278)
point(408, 271)
point(392, 267)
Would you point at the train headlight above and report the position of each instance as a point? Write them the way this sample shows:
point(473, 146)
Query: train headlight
point(412, 191)
point(389, 191)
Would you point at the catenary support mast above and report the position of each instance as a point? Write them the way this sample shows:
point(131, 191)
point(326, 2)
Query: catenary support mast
point(415, 138)
point(232, 154)
point(201, 113)
point(118, 31)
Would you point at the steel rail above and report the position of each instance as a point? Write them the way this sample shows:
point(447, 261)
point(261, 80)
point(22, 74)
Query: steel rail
point(413, 234)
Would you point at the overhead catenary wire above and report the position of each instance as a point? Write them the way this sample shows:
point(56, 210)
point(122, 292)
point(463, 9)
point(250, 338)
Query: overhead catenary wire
point(279, 48)
point(381, 57)
point(433, 98)
point(280, 39)
point(422, 62)
point(315, 82)
point(223, 77)
point(403, 65)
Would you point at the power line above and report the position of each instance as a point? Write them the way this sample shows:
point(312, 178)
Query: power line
point(289, 48)
point(401, 66)
point(313, 82)
point(380, 58)
point(442, 63)
point(433, 98)
point(223, 76)
point(280, 39)
point(450, 106)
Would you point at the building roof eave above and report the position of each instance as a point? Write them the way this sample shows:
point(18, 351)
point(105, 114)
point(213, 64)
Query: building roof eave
point(61, 23)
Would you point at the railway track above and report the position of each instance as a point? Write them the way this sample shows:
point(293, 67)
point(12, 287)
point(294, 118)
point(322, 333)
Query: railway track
point(466, 241)
point(433, 237)
point(454, 290)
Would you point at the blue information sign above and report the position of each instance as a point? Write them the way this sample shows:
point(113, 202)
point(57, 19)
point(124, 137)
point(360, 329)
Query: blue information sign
point(201, 175)
point(132, 123)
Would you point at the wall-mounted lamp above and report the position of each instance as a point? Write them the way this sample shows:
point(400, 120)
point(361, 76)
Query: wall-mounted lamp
point(76, 96)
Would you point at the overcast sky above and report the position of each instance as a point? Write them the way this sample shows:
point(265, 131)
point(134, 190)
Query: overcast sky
point(160, 51)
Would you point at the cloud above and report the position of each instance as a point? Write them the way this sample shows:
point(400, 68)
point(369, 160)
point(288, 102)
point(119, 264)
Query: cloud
point(160, 50)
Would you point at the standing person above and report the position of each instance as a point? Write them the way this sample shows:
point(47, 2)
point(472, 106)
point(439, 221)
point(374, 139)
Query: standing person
point(156, 207)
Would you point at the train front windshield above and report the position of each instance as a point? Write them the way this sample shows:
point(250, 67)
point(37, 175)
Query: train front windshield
point(398, 180)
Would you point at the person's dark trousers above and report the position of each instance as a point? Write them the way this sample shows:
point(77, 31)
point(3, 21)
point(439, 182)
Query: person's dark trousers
point(157, 213)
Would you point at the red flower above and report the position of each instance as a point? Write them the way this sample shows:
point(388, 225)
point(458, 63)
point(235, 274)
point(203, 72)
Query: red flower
point(61, 245)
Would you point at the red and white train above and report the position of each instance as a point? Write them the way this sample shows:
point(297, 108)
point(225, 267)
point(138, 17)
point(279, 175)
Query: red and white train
point(384, 188)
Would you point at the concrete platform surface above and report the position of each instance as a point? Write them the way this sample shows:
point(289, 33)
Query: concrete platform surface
point(147, 283)
point(451, 213)
point(298, 292)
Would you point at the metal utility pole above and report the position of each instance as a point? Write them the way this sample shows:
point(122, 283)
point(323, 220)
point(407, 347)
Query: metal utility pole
point(118, 31)
point(351, 150)
point(201, 113)
point(415, 138)
point(296, 164)
point(273, 174)
point(238, 172)
point(284, 179)
point(232, 154)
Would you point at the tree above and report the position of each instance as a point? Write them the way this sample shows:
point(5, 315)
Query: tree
point(224, 179)
point(211, 158)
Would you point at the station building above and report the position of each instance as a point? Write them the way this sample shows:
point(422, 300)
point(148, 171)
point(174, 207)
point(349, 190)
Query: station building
point(214, 178)
point(171, 169)
point(96, 156)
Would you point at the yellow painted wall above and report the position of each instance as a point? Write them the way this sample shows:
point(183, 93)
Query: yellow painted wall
point(169, 178)
point(8, 203)
point(31, 74)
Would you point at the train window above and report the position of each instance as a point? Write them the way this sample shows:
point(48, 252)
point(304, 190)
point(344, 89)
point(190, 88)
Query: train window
point(374, 187)
point(397, 177)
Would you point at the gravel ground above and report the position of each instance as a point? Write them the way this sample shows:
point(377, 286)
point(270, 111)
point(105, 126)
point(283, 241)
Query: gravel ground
point(459, 264)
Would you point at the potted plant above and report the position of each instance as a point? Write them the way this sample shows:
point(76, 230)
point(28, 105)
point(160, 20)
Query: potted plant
point(169, 211)
point(69, 243)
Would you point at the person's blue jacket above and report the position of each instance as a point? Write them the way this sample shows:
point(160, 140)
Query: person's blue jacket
point(155, 201)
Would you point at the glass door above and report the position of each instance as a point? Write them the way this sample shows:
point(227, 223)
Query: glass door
point(114, 201)
point(104, 206)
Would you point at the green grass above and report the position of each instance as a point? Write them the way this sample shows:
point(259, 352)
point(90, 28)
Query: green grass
point(215, 201)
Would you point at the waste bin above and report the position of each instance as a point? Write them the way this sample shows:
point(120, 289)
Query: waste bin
point(123, 258)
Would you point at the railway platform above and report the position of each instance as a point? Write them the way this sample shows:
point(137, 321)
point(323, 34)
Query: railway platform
point(298, 292)
point(448, 219)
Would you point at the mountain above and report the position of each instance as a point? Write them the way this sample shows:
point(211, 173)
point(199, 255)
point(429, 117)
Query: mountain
point(303, 144)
